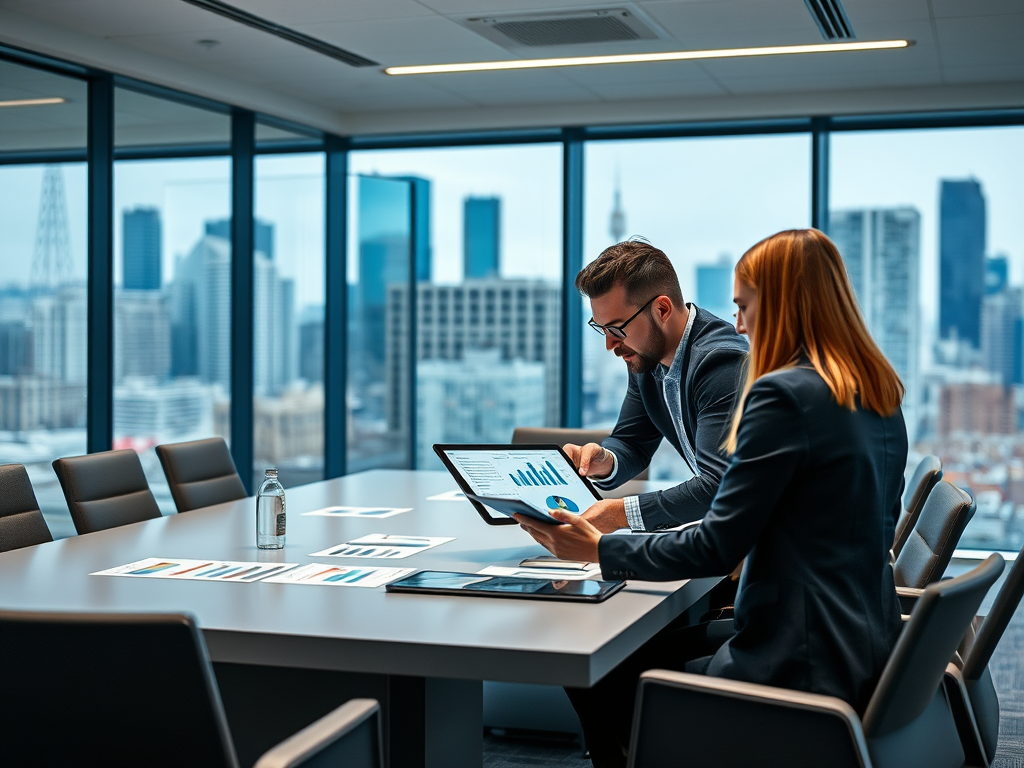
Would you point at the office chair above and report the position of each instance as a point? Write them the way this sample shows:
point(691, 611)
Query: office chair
point(930, 545)
point(560, 436)
point(122, 689)
point(927, 474)
point(972, 695)
point(717, 723)
point(105, 490)
point(21, 522)
point(200, 473)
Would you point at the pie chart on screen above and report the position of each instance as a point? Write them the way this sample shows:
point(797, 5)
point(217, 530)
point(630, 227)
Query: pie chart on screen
point(560, 502)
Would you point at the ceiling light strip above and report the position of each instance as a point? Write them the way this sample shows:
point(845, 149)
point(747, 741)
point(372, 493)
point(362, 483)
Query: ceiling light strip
point(31, 102)
point(636, 58)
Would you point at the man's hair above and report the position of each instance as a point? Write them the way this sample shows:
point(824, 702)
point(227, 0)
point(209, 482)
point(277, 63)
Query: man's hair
point(643, 270)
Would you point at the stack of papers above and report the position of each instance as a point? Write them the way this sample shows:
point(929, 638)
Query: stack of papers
point(197, 570)
point(383, 545)
point(340, 576)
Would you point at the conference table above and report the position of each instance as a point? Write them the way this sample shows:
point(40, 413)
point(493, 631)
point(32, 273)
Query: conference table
point(285, 654)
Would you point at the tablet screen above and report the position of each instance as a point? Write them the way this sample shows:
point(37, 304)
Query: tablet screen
point(539, 476)
point(442, 581)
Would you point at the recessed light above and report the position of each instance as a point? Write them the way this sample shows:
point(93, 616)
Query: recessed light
point(636, 58)
point(207, 43)
point(32, 102)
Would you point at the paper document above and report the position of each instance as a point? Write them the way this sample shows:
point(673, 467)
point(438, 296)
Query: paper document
point(543, 573)
point(197, 570)
point(375, 512)
point(383, 545)
point(448, 496)
point(340, 576)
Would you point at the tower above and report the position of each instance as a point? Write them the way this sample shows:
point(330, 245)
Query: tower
point(141, 249)
point(617, 221)
point(51, 259)
point(961, 259)
point(481, 243)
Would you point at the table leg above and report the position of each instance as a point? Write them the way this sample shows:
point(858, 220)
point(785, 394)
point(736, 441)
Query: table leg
point(434, 723)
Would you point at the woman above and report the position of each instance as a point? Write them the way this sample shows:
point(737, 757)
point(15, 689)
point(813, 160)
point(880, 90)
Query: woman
point(810, 499)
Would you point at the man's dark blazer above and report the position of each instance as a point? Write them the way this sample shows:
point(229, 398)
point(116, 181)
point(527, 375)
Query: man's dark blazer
point(811, 499)
point(712, 372)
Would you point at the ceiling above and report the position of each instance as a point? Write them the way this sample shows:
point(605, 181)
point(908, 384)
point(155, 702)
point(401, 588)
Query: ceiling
point(968, 54)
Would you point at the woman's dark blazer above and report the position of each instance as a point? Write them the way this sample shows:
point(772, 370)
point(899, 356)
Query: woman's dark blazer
point(810, 498)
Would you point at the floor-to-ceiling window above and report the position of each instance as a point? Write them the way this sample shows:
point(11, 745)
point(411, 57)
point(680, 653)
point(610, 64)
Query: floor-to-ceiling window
point(43, 299)
point(930, 225)
point(172, 281)
point(288, 304)
point(703, 201)
point(476, 350)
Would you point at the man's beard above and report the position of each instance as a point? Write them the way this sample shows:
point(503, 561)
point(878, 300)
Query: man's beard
point(645, 362)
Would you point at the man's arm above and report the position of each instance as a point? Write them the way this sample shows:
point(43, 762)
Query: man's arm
point(633, 441)
point(716, 383)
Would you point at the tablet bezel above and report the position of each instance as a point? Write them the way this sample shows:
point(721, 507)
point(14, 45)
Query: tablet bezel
point(396, 587)
point(440, 448)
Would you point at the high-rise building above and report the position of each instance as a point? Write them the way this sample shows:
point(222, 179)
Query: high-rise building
point(274, 318)
point(142, 336)
point(311, 344)
point(200, 310)
point(986, 409)
point(714, 288)
point(1002, 324)
point(60, 345)
point(141, 249)
point(262, 234)
point(881, 249)
point(15, 348)
point(961, 259)
point(997, 274)
point(481, 237)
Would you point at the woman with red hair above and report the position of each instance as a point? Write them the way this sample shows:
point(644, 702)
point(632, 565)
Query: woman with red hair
point(810, 501)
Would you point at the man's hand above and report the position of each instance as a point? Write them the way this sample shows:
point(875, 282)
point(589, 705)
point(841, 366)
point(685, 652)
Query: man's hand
point(607, 515)
point(575, 540)
point(591, 459)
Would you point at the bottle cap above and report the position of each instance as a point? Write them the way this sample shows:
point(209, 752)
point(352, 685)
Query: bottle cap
point(271, 472)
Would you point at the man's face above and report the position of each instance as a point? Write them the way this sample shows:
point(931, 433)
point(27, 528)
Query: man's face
point(645, 343)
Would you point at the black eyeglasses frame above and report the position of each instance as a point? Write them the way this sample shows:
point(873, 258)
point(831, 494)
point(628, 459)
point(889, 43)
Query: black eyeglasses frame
point(618, 331)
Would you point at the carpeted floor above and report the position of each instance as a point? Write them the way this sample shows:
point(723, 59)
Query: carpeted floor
point(1007, 670)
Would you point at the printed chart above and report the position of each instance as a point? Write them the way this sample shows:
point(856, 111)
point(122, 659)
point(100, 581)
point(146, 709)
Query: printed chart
point(383, 545)
point(339, 576)
point(197, 570)
point(374, 512)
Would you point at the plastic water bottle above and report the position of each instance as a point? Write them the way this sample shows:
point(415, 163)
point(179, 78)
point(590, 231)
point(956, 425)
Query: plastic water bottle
point(270, 514)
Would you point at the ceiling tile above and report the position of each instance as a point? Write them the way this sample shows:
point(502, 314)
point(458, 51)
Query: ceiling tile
point(314, 11)
point(831, 81)
point(233, 43)
point(884, 11)
point(460, 8)
point(973, 8)
point(111, 18)
point(677, 90)
point(990, 74)
point(737, 23)
point(983, 41)
point(628, 74)
point(532, 97)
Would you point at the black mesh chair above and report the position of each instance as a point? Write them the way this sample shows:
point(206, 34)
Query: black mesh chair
point(708, 722)
point(927, 474)
point(21, 522)
point(105, 490)
point(130, 690)
point(560, 436)
point(972, 695)
point(930, 545)
point(200, 473)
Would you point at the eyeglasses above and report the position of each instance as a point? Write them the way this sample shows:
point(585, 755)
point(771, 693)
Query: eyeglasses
point(618, 331)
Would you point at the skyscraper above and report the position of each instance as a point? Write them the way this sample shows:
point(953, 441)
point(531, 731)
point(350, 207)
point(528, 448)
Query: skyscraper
point(481, 237)
point(140, 249)
point(881, 249)
point(714, 288)
point(961, 259)
point(617, 220)
point(262, 234)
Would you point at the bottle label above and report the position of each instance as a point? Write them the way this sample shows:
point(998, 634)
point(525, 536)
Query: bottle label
point(280, 524)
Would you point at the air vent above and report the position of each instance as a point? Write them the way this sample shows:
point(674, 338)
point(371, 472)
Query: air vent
point(831, 19)
point(292, 36)
point(577, 27)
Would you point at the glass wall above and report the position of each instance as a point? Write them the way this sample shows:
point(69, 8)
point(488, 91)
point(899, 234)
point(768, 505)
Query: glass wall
point(930, 225)
point(288, 341)
point(703, 201)
point(43, 257)
point(482, 344)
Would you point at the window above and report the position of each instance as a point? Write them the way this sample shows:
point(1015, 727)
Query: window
point(929, 224)
point(288, 342)
point(702, 201)
point(476, 222)
point(43, 254)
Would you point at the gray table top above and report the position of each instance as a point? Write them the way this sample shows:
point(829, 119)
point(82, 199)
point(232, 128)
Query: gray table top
point(348, 628)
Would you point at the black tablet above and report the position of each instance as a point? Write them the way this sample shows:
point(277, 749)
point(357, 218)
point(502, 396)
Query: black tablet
point(529, 479)
point(449, 583)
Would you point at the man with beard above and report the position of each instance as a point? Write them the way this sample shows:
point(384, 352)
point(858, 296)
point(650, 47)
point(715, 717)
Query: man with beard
point(685, 366)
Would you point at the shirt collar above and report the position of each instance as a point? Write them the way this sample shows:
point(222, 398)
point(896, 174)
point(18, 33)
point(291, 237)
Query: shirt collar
point(675, 370)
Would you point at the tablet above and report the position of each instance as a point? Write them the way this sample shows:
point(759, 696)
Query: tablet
point(449, 583)
point(510, 479)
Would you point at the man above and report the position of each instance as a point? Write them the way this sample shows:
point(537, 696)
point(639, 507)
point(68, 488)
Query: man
point(685, 367)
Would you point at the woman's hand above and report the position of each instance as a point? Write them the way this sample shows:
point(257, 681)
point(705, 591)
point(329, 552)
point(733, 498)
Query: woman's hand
point(575, 540)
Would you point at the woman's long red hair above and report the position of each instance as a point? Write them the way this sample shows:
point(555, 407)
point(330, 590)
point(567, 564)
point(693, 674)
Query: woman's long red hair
point(806, 307)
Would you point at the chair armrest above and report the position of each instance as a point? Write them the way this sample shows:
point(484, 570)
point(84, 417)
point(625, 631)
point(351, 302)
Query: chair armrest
point(908, 597)
point(337, 736)
point(714, 721)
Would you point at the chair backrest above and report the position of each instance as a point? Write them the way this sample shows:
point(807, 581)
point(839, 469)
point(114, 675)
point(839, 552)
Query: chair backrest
point(105, 490)
point(935, 536)
point(200, 473)
point(927, 474)
point(561, 436)
point(21, 522)
point(977, 678)
point(908, 700)
point(109, 689)
point(348, 737)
